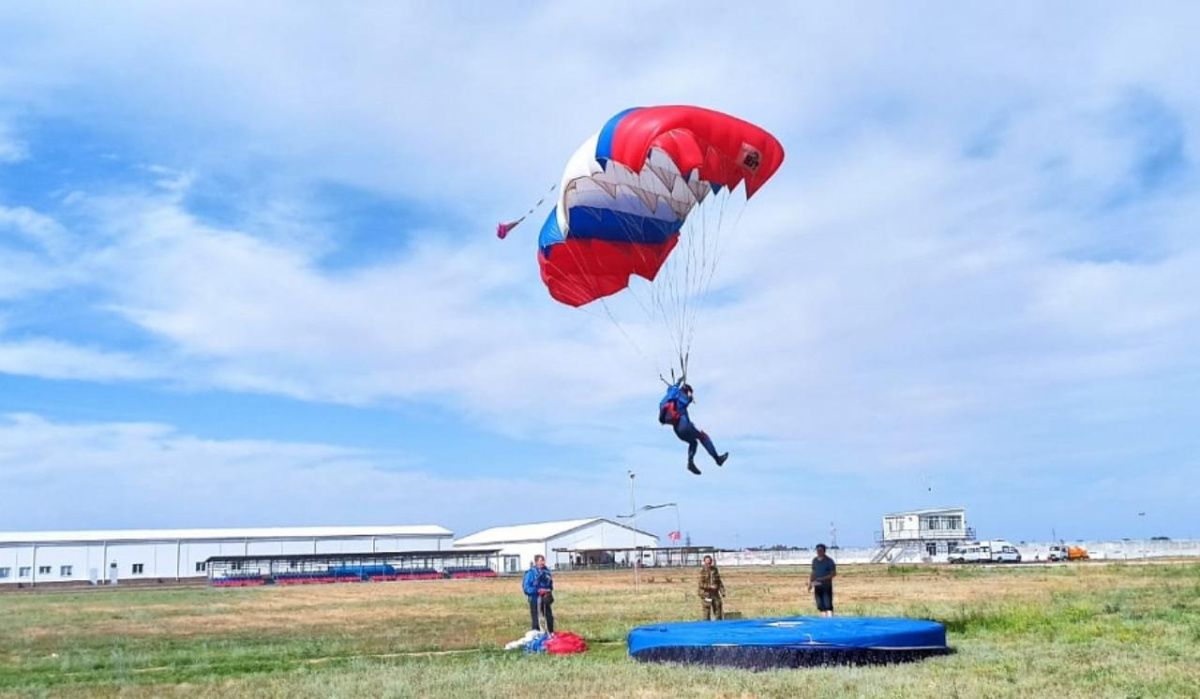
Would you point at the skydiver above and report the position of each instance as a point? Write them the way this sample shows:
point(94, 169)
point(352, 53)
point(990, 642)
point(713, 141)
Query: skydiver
point(673, 411)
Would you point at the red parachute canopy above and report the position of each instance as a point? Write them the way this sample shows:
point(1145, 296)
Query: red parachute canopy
point(628, 191)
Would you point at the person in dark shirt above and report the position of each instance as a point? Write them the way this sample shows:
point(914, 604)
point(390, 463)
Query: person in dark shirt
point(820, 581)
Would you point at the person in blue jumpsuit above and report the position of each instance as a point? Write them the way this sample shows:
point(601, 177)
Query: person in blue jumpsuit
point(538, 586)
point(673, 411)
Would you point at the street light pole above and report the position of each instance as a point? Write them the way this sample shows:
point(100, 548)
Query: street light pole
point(633, 512)
point(632, 516)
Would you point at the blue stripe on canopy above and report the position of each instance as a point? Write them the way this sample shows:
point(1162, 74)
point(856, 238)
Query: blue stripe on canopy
point(551, 234)
point(618, 226)
point(604, 144)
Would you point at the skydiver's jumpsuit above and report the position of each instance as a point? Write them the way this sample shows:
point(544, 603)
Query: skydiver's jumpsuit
point(673, 411)
point(537, 579)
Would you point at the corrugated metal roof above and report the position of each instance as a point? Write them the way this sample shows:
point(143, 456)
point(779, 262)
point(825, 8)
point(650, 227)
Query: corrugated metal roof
point(420, 530)
point(539, 531)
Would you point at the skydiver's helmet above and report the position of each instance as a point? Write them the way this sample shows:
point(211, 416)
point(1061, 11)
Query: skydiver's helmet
point(687, 389)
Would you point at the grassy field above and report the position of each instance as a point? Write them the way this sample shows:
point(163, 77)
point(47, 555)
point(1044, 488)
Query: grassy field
point(1089, 630)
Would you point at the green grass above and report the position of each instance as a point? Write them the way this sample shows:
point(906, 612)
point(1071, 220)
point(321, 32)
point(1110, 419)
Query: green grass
point(1067, 631)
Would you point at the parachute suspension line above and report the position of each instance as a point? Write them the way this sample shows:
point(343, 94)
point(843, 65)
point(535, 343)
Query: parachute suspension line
point(629, 338)
point(696, 261)
point(577, 257)
point(705, 264)
point(655, 307)
point(676, 294)
point(651, 307)
point(708, 266)
point(591, 289)
point(679, 291)
point(720, 246)
point(737, 222)
point(668, 294)
point(702, 273)
point(694, 252)
point(502, 229)
point(628, 228)
point(694, 248)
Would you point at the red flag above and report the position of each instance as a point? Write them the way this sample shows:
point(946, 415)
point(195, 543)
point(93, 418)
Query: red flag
point(674, 536)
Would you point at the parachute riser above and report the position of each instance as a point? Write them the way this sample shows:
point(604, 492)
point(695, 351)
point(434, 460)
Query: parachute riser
point(503, 228)
point(682, 378)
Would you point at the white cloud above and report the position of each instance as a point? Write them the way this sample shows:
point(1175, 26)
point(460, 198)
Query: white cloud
point(33, 248)
point(58, 475)
point(49, 359)
point(11, 149)
point(399, 99)
point(39, 230)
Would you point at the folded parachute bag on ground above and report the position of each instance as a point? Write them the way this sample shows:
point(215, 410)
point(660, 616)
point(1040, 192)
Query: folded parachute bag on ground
point(565, 643)
point(561, 643)
point(537, 644)
point(523, 641)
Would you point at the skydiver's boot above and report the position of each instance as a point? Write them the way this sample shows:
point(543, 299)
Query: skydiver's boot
point(722, 459)
point(692, 468)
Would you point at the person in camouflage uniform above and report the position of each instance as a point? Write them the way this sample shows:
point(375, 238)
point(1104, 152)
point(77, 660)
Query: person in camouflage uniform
point(711, 590)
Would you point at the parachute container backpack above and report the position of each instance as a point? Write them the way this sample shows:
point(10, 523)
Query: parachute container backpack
point(644, 198)
point(761, 644)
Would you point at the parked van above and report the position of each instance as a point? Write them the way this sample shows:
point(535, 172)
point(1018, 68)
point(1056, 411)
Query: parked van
point(1004, 552)
point(997, 551)
point(973, 552)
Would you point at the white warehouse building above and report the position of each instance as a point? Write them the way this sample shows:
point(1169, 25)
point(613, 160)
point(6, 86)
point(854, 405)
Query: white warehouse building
point(520, 543)
point(29, 558)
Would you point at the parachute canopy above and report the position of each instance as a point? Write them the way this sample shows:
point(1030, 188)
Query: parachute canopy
point(629, 189)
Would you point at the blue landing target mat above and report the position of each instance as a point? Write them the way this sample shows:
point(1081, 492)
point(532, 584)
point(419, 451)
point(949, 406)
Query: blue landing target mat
point(789, 641)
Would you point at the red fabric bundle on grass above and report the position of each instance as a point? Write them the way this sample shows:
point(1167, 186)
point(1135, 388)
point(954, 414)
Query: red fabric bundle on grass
point(565, 643)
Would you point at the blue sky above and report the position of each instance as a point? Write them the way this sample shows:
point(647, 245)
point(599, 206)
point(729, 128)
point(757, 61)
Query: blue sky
point(248, 273)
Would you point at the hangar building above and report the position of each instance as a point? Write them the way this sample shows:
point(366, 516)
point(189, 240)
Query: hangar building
point(30, 558)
